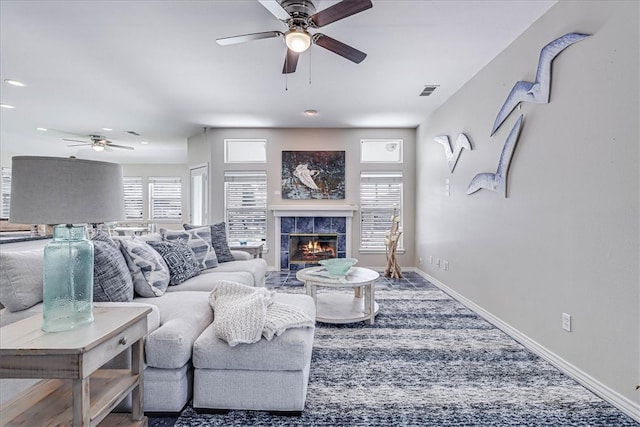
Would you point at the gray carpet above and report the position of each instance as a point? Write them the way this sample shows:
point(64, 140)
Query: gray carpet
point(428, 361)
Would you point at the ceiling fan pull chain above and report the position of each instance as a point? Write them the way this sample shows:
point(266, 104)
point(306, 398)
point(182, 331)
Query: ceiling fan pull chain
point(309, 67)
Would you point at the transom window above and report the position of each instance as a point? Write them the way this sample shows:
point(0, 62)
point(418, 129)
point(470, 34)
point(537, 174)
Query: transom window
point(245, 150)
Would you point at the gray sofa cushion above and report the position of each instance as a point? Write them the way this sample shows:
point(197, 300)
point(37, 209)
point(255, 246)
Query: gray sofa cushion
point(183, 317)
point(111, 277)
point(287, 352)
point(179, 258)
point(148, 270)
point(256, 266)
point(199, 240)
point(21, 275)
point(207, 280)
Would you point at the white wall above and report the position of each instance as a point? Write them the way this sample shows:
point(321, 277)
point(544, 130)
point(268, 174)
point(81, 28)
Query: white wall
point(567, 237)
point(279, 140)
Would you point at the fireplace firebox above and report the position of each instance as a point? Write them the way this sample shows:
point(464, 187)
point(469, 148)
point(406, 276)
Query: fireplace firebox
point(309, 248)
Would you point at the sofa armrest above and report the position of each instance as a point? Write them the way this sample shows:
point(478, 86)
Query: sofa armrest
point(241, 255)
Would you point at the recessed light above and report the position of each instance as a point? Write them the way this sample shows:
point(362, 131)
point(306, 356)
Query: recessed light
point(107, 129)
point(14, 83)
point(144, 142)
point(7, 106)
point(310, 112)
point(42, 129)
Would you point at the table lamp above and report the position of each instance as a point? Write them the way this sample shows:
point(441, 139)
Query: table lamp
point(67, 191)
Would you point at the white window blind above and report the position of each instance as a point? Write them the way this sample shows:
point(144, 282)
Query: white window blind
point(245, 195)
point(165, 198)
point(6, 192)
point(379, 193)
point(133, 204)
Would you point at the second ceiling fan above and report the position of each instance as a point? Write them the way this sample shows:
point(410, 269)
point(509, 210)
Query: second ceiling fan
point(299, 16)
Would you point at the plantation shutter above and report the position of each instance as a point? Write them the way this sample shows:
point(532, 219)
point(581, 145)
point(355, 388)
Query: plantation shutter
point(133, 204)
point(246, 205)
point(6, 192)
point(379, 193)
point(165, 198)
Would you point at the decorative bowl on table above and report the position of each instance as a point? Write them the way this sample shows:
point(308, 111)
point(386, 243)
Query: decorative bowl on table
point(338, 266)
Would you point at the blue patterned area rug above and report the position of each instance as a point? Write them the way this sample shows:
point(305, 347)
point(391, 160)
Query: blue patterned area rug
point(428, 361)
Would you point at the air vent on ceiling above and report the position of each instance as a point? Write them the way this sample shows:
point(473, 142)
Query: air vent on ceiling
point(428, 90)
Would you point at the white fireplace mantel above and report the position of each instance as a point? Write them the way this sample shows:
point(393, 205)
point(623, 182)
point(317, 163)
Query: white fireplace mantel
point(324, 209)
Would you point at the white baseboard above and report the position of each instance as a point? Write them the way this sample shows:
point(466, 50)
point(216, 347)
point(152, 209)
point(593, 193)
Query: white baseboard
point(624, 404)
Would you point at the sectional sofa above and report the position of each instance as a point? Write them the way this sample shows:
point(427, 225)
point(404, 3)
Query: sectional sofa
point(268, 375)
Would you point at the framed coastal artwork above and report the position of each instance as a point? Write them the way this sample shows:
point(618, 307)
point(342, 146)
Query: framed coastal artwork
point(313, 175)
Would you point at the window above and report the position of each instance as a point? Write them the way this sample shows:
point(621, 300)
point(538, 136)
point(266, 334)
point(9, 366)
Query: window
point(6, 192)
point(165, 198)
point(133, 204)
point(381, 151)
point(245, 150)
point(380, 192)
point(245, 197)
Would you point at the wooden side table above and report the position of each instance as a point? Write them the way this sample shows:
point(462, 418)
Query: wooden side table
point(254, 248)
point(76, 392)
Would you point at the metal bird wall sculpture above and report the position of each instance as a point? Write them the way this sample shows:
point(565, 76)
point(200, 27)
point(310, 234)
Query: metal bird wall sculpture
point(498, 181)
point(538, 91)
point(452, 156)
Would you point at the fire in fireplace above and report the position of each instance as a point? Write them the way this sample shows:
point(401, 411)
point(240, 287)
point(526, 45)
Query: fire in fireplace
point(309, 248)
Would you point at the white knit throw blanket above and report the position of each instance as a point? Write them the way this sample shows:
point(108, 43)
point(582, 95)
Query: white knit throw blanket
point(244, 314)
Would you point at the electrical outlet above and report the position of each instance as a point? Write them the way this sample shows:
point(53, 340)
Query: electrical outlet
point(438, 262)
point(566, 322)
point(446, 265)
point(419, 261)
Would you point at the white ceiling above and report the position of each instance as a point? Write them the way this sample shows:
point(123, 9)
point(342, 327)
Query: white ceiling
point(154, 67)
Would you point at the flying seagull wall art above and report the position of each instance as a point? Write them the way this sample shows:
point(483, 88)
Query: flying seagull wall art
point(452, 155)
point(498, 181)
point(538, 91)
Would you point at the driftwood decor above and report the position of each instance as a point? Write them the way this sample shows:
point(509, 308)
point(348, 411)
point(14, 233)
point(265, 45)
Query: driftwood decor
point(392, 237)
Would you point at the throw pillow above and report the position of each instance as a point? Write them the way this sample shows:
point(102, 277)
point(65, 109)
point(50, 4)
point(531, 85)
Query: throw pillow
point(199, 240)
point(21, 275)
point(111, 277)
point(219, 240)
point(179, 258)
point(148, 270)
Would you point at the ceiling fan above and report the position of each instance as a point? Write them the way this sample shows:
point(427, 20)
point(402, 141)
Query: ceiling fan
point(98, 143)
point(299, 16)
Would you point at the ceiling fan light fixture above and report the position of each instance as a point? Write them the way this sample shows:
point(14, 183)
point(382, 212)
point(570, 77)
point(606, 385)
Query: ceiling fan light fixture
point(97, 147)
point(298, 40)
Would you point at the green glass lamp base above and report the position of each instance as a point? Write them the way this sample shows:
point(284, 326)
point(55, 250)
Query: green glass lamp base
point(68, 280)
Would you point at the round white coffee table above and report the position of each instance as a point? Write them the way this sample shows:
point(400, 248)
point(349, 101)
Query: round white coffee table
point(340, 307)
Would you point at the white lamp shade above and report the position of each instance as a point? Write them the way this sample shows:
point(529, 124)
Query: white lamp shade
point(54, 190)
point(298, 40)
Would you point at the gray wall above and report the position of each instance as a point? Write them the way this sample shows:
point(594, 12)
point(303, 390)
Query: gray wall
point(567, 237)
point(210, 147)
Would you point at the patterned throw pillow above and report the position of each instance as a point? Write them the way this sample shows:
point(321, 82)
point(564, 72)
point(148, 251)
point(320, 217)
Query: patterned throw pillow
point(148, 270)
point(111, 277)
point(218, 240)
point(179, 258)
point(199, 240)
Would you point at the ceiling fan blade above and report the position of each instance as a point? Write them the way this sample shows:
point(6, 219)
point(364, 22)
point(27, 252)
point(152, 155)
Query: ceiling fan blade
point(78, 145)
point(339, 11)
point(248, 37)
point(290, 62)
point(335, 46)
point(75, 140)
point(121, 146)
point(276, 9)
